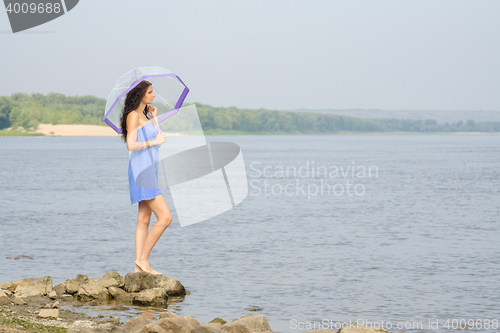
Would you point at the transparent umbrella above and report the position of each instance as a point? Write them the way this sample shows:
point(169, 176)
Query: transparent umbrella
point(168, 88)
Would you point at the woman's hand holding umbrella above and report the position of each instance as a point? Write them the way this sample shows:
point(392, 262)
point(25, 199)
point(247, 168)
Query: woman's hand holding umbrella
point(159, 139)
point(152, 111)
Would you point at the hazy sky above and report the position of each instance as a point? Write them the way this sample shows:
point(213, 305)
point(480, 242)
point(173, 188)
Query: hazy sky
point(434, 55)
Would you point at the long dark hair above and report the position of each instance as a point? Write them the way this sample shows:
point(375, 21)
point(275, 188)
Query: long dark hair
point(132, 102)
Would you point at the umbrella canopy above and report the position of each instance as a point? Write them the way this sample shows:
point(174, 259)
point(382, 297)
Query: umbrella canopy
point(168, 88)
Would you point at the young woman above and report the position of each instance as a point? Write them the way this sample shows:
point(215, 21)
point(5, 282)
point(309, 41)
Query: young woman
point(143, 140)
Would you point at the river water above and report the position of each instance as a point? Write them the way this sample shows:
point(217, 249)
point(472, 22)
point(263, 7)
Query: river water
point(336, 228)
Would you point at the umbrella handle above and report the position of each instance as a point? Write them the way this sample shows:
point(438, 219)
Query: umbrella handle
point(155, 123)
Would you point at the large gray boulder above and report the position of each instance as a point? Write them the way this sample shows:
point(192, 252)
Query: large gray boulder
point(154, 296)
point(60, 289)
point(173, 287)
point(33, 287)
point(120, 295)
point(116, 276)
point(92, 291)
point(248, 324)
point(136, 282)
point(73, 285)
point(107, 282)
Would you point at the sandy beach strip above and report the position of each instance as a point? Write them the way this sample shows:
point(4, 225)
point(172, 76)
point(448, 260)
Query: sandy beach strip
point(79, 130)
point(75, 130)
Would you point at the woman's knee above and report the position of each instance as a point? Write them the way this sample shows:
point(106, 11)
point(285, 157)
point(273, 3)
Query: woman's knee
point(165, 221)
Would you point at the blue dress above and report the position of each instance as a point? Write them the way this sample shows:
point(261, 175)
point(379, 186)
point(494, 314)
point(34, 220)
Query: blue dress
point(143, 168)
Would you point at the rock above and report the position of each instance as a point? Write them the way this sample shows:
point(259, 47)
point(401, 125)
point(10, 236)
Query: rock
point(10, 286)
point(177, 325)
point(213, 325)
point(56, 305)
point(92, 291)
point(52, 295)
point(116, 276)
point(136, 282)
point(7, 292)
point(73, 285)
point(134, 325)
point(120, 294)
point(60, 289)
point(106, 282)
point(192, 322)
point(247, 324)
point(208, 328)
point(83, 294)
point(18, 301)
point(168, 314)
point(66, 297)
point(87, 326)
point(218, 320)
point(362, 329)
point(33, 287)
point(49, 313)
point(4, 299)
point(254, 308)
point(173, 287)
point(155, 296)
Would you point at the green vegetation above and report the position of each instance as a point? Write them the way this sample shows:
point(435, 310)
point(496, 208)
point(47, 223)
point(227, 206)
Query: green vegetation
point(27, 111)
point(30, 327)
point(227, 120)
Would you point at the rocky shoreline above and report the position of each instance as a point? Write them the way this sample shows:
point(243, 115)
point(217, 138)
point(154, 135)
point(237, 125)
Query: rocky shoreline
point(34, 305)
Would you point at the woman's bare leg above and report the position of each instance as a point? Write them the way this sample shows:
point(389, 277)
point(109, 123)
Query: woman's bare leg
point(141, 231)
point(158, 206)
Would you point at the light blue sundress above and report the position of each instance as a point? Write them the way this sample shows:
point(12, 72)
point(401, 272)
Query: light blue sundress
point(143, 168)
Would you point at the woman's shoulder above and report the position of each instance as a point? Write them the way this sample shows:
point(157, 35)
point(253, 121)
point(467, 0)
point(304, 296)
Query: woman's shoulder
point(135, 120)
point(133, 116)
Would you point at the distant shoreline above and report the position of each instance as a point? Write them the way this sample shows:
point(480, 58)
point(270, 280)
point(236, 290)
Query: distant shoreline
point(67, 131)
point(105, 131)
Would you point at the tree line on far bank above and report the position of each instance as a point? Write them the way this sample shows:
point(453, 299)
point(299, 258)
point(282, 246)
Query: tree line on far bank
point(27, 111)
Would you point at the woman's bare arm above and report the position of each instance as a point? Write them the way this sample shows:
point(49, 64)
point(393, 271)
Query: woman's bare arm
point(132, 126)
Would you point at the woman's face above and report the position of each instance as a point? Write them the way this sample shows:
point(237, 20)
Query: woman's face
point(148, 97)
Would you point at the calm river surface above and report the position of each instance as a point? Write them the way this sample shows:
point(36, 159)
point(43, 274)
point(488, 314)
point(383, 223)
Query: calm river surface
point(411, 236)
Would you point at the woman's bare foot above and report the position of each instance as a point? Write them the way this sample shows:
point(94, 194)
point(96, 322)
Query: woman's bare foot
point(144, 266)
point(137, 269)
point(155, 272)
